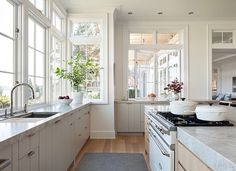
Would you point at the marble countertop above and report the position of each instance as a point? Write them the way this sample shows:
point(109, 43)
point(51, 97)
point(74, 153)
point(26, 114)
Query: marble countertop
point(16, 128)
point(215, 146)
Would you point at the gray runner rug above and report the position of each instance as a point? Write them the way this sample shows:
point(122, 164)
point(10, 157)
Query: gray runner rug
point(112, 162)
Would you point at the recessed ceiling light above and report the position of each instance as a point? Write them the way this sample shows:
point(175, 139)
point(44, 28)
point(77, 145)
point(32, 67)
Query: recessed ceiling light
point(130, 13)
point(160, 13)
point(190, 13)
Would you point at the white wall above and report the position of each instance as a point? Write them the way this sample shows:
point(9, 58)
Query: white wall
point(102, 116)
point(197, 61)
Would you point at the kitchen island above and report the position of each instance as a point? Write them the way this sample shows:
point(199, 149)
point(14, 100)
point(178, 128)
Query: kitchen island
point(212, 147)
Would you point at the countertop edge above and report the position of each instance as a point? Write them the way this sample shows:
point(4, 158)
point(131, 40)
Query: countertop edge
point(41, 124)
point(211, 158)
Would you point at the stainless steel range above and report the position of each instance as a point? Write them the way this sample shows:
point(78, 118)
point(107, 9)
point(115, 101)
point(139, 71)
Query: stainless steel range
point(162, 127)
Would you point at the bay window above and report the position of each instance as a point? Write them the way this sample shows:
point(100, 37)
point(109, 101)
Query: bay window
point(7, 50)
point(154, 60)
point(88, 37)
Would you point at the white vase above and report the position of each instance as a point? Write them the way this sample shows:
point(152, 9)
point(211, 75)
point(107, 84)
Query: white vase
point(77, 97)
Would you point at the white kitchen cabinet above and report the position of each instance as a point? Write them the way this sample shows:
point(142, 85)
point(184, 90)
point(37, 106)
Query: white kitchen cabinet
point(5, 153)
point(29, 152)
point(30, 162)
point(45, 150)
point(129, 117)
point(59, 146)
point(187, 161)
point(122, 117)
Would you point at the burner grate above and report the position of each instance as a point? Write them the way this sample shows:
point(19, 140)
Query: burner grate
point(190, 120)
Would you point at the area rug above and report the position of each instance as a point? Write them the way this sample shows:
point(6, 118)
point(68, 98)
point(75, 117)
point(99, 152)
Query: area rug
point(112, 162)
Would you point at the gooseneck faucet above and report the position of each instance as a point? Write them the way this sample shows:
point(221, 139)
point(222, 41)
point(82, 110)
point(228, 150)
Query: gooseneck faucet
point(12, 90)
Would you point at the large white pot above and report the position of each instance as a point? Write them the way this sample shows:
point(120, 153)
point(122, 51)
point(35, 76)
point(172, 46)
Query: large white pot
point(183, 107)
point(211, 113)
point(77, 97)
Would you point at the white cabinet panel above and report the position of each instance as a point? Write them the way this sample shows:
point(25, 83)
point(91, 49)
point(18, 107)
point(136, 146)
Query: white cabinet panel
point(45, 151)
point(134, 117)
point(5, 153)
point(122, 118)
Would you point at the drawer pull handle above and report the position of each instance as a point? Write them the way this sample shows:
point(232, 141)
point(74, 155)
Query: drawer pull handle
point(79, 118)
point(31, 153)
point(85, 127)
point(31, 135)
point(71, 114)
point(57, 121)
point(71, 124)
point(79, 135)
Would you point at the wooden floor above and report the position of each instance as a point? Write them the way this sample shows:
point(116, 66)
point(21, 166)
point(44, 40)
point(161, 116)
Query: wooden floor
point(122, 144)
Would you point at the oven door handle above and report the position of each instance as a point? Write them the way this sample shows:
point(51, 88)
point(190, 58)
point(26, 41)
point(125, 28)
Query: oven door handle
point(159, 145)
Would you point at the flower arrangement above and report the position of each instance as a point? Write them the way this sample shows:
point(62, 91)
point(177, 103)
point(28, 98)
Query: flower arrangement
point(175, 86)
point(152, 95)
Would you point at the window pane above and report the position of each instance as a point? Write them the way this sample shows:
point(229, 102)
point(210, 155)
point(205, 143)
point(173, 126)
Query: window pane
point(131, 74)
point(6, 51)
point(57, 21)
point(40, 38)
point(168, 38)
point(145, 77)
point(86, 29)
point(216, 37)
point(31, 62)
point(38, 85)
point(93, 83)
point(141, 38)
point(6, 18)
point(31, 32)
point(39, 64)
point(227, 37)
point(6, 84)
point(40, 4)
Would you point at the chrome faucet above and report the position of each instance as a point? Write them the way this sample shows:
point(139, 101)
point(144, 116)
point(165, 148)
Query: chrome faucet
point(12, 90)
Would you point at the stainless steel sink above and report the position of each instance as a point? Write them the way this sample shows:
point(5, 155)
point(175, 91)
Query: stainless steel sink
point(37, 115)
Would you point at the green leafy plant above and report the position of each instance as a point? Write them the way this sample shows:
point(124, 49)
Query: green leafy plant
point(79, 68)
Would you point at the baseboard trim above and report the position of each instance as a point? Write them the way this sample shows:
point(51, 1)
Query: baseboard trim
point(102, 135)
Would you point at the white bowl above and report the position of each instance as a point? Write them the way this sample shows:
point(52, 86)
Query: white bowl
point(65, 101)
point(183, 107)
point(211, 113)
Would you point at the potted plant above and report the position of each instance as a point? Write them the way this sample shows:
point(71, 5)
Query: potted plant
point(78, 69)
point(175, 87)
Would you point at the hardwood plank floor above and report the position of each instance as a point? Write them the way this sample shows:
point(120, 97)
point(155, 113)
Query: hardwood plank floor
point(122, 144)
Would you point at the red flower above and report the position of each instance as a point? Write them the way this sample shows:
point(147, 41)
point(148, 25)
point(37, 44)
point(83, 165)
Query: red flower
point(175, 86)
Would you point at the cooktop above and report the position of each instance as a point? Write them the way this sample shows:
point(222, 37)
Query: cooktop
point(190, 120)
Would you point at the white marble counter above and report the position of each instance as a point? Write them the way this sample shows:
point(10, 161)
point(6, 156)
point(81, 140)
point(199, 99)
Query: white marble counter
point(16, 128)
point(215, 146)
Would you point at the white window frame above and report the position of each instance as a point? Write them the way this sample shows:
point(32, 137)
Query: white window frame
point(103, 19)
point(134, 28)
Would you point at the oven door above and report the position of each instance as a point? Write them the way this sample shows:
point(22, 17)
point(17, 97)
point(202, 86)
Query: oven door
point(161, 157)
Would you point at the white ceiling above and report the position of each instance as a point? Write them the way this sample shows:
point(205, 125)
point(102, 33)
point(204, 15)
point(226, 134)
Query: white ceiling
point(148, 9)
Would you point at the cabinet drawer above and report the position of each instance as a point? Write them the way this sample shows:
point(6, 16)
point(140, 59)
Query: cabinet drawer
point(188, 161)
point(28, 143)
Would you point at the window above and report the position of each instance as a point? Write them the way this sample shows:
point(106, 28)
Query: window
point(57, 21)
point(87, 38)
point(141, 38)
point(222, 37)
point(39, 4)
point(168, 38)
point(36, 60)
point(55, 61)
point(7, 51)
point(151, 68)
